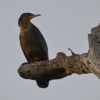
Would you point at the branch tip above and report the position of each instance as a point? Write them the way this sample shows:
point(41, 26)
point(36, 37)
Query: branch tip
point(71, 51)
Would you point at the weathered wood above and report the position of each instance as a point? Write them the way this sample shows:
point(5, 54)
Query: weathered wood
point(64, 65)
point(57, 68)
point(94, 51)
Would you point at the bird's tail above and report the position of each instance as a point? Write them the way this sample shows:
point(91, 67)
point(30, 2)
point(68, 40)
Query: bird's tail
point(42, 84)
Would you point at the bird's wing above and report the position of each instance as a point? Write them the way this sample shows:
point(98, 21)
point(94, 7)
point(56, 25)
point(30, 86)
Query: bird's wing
point(41, 42)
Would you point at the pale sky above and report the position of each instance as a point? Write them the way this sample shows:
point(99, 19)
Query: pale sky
point(64, 24)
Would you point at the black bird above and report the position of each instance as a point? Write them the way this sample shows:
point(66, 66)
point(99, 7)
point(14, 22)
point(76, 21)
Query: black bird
point(32, 42)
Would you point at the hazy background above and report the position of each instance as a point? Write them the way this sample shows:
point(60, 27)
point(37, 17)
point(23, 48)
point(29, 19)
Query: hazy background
point(64, 24)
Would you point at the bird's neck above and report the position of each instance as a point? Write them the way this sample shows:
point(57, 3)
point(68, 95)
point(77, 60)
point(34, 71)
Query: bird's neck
point(25, 25)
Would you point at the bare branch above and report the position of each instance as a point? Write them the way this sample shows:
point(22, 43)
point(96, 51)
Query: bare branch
point(64, 65)
point(57, 68)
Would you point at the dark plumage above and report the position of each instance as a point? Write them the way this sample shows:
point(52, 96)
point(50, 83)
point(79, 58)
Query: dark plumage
point(32, 42)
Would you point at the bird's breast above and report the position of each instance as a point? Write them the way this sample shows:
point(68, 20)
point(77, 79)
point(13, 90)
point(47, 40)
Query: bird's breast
point(30, 46)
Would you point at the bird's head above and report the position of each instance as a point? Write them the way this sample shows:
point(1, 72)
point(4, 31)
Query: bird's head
point(28, 16)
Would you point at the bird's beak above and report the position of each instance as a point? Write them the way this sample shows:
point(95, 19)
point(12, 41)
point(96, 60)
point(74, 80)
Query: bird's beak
point(32, 16)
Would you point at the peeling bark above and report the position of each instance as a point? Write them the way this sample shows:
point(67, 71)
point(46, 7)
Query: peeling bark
point(63, 65)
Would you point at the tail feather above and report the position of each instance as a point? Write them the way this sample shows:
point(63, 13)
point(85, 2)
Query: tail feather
point(42, 84)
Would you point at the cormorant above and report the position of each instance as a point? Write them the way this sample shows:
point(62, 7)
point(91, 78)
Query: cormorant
point(32, 42)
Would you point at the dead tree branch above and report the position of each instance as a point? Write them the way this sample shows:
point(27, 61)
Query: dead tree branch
point(64, 65)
